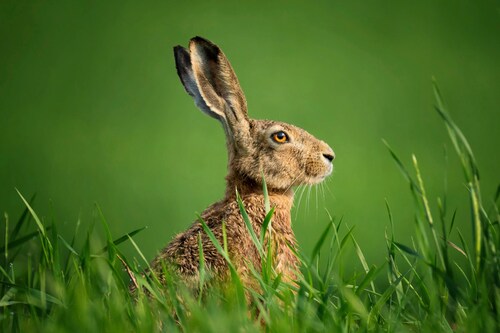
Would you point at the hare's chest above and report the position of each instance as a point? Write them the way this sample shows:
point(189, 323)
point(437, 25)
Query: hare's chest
point(285, 261)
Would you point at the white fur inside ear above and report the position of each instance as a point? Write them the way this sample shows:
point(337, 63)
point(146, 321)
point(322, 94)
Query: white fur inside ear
point(191, 85)
point(185, 72)
point(210, 97)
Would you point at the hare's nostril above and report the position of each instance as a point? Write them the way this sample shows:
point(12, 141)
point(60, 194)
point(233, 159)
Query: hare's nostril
point(329, 157)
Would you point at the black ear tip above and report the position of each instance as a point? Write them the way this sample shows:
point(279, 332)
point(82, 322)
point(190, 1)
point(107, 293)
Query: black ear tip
point(205, 43)
point(178, 50)
point(181, 55)
point(205, 47)
point(198, 39)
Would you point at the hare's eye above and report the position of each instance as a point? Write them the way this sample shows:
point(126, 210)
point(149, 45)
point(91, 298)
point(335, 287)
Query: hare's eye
point(280, 137)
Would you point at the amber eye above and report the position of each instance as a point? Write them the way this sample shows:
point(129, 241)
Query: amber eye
point(280, 137)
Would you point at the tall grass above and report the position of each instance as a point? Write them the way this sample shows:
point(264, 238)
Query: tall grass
point(52, 284)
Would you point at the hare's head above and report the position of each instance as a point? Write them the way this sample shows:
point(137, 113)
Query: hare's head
point(285, 154)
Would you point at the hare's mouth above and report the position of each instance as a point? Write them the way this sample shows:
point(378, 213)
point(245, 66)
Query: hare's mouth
point(315, 174)
point(318, 179)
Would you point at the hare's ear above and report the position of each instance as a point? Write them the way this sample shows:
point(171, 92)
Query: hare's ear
point(219, 88)
point(185, 72)
point(214, 74)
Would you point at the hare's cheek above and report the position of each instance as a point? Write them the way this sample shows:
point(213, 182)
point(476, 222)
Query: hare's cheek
point(272, 166)
point(278, 171)
point(310, 169)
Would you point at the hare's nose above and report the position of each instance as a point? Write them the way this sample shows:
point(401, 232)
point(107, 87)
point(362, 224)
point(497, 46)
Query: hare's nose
point(329, 156)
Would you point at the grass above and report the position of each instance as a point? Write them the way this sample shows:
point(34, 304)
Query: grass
point(51, 284)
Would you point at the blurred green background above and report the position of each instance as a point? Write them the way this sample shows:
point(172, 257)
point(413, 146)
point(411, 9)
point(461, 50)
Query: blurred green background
point(91, 108)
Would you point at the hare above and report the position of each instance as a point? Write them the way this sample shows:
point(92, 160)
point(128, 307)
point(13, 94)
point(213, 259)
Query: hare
point(285, 155)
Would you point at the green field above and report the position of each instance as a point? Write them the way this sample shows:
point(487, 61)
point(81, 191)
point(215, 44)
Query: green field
point(92, 114)
point(53, 284)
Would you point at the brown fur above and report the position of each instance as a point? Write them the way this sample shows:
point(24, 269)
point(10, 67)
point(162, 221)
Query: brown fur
point(208, 76)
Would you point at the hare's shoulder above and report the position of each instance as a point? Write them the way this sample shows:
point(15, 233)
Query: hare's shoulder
point(224, 219)
point(183, 251)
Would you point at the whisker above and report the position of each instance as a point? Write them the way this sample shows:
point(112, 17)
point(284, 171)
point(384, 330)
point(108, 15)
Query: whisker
point(302, 189)
point(328, 187)
point(320, 190)
point(316, 190)
point(291, 183)
point(308, 198)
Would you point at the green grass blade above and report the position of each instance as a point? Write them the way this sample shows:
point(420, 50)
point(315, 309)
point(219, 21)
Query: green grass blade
point(69, 247)
point(22, 219)
point(22, 240)
point(38, 222)
point(214, 240)
point(34, 296)
point(224, 237)
point(5, 248)
point(408, 250)
point(478, 227)
point(234, 275)
point(369, 279)
point(201, 269)
point(402, 168)
point(321, 240)
point(267, 204)
point(248, 224)
point(123, 238)
point(266, 225)
point(363, 261)
point(376, 309)
point(143, 257)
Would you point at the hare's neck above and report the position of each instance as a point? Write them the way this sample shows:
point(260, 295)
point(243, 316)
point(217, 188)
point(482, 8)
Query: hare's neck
point(281, 199)
point(246, 186)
